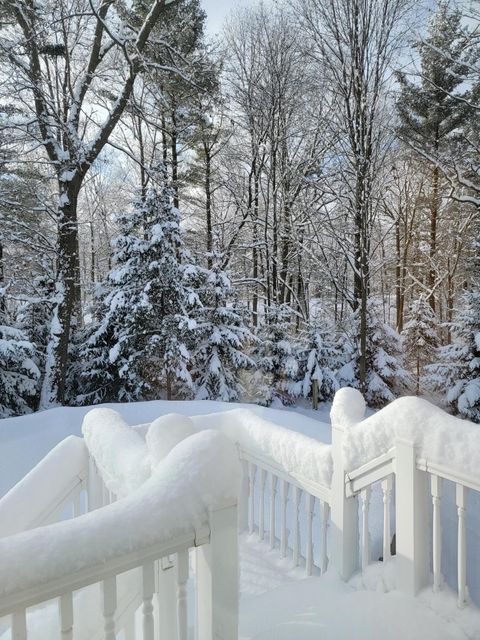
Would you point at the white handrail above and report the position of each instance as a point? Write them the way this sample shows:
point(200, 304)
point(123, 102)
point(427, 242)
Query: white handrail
point(53, 482)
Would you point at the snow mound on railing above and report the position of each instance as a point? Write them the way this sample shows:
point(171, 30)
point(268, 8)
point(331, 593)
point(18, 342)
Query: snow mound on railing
point(439, 437)
point(165, 433)
point(294, 452)
point(120, 453)
point(201, 473)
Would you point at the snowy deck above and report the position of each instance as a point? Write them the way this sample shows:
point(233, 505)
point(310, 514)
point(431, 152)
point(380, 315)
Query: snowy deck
point(277, 601)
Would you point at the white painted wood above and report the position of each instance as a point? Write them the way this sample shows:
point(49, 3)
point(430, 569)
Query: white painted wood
point(148, 589)
point(309, 506)
point(387, 484)
point(66, 615)
point(182, 577)
point(283, 518)
point(461, 500)
point(261, 505)
point(324, 536)
point(166, 626)
point(251, 497)
point(109, 589)
point(365, 497)
point(273, 490)
point(297, 494)
point(217, 579)
point(19, 625)
point(129, 628)
point(243, 499)
point(411, 493)
point(344, 511)
point(77, 505)
point(436, 488)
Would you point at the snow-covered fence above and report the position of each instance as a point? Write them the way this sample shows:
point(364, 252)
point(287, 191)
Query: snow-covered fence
point(136, 549)
point(260, 498)
point(411, 449)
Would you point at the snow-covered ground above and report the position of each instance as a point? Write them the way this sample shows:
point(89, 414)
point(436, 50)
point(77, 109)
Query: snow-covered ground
point(277, 602)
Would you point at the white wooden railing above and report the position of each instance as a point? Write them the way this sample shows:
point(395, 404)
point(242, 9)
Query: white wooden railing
point(269, 490)
point(314, 523)
point(152, 579)
point(411, 490)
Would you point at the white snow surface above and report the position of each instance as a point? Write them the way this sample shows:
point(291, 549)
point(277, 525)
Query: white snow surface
point(174, 501)
point(438, 436)
point(296, 453)
point(25, 440)
point(120, 453)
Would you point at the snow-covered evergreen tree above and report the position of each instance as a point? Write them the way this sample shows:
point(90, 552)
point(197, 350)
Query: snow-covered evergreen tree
point(456, 373)
point(277, 358)
point(420, 338)
point(386, 376)
point(222, 338)
point(33, 318)
point(321, 361)
point(19, 374)
point(138, 349)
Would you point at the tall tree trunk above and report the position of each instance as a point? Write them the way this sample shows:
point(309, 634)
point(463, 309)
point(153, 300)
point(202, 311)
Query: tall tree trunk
point(67, 312)
point(208, 205)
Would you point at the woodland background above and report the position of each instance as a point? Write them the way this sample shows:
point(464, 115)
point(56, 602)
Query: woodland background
point(287, 209)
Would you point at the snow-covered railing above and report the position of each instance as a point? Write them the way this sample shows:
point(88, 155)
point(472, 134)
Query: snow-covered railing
point(54, 486)
point(137, 546)
point(286, 485)
point(410, 450)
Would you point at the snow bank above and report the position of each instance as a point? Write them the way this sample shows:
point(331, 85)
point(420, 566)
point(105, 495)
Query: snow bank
point(165, 433)
point(24, 505)
point(120, 453)
point(438, 436)
point(200, 473)
point(296, 453)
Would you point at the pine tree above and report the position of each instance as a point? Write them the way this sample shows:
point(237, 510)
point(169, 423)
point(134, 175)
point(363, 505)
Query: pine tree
point(456, 374)
point(432, 111)
point(321, 361)
point(19, 374)
point(277, 358)
point(386, 376)
point(33, 318)
point(222, 338)
point(138, 349)
point(420, 338)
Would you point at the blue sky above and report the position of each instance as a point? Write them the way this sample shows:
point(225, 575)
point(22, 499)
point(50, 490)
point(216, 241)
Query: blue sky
point(217, 11)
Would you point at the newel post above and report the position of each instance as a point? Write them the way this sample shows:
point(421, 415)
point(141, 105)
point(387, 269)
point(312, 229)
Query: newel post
point(217, 590)
point(348, 408)
point(411, 516)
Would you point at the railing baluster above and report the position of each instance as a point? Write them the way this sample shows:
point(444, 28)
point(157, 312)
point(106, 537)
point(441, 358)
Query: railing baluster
point(77, 507)
point(461, 500)
point(283, 518)
point(261, 506)
point(19, 625)
point(273, 484)
point(309, 505)
point(436, 487)
point(387, 496)
point(148, 589)
point(251, 496)
point(66, 615)
point(365, 495)
point(182, 577)
point(296, 529)
point(129, 628)
point(109, 607)
point(325, 519)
